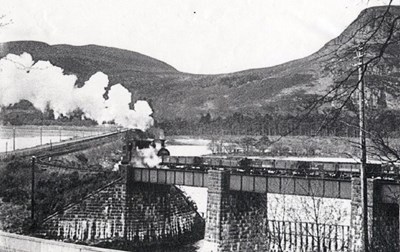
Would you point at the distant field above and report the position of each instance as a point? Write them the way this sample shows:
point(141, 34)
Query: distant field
point(29, 136)
point(34, 130)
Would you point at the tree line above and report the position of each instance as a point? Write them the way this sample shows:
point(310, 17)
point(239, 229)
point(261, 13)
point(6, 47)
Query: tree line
point(280, 124)
point(24, 113)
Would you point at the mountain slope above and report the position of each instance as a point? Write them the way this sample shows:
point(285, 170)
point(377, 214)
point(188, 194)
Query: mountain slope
point(280, 88)
point(87, 60)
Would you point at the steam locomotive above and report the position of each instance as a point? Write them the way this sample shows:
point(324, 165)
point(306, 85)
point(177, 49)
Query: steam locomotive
point(137, 139)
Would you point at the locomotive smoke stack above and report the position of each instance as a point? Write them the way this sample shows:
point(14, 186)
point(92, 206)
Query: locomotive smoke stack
point(161, 135)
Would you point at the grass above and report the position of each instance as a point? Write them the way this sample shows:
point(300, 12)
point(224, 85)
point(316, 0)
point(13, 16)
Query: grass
point(54, 187)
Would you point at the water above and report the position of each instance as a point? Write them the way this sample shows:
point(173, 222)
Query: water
point(198, 194)
point(6, 144)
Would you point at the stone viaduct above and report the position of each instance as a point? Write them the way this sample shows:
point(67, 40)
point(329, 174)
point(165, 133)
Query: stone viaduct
point(237, 218)
point(145, 208)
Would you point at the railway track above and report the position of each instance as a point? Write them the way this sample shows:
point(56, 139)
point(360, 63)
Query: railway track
point(43, 153)
point(74, 147)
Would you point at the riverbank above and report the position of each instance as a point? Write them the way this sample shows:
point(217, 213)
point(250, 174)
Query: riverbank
point(298, 146)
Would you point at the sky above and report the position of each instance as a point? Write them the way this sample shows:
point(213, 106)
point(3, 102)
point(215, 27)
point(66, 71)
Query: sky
point(195, 36)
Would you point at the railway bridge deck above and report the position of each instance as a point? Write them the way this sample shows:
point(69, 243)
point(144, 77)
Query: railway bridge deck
point(238, 195)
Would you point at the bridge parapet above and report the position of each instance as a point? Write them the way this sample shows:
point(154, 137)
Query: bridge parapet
point(305, 186)
point(169, 176)
point(302, 186)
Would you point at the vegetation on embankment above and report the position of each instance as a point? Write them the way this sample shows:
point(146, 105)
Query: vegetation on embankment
point(53, 190)
point(54, 187)
point(96, 158)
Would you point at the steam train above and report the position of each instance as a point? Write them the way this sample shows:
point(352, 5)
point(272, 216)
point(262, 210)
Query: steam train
point(338, 168)
point(286, 166)
point(137, 139)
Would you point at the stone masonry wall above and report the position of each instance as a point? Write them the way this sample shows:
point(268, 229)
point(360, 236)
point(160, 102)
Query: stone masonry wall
point(139, 215)
point(385, 222)
point(382, 222)
point(236, 221)
point(356, 211)
point(160, 214)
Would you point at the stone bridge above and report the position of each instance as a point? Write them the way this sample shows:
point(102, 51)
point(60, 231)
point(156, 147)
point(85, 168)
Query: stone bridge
point(237, 217)
point(145, 207)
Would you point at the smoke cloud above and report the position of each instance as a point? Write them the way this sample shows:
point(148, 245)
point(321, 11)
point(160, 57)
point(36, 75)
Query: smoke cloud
point(147, 158)
point(44, 84)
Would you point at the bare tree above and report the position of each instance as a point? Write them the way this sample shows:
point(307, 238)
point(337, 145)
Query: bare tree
point(307, 223)
point(378, 35)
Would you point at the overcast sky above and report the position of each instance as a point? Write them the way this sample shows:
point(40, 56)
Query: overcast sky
point(195, 36)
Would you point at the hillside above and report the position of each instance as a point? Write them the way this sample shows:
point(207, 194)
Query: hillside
point(281, 88)
point(84, 61)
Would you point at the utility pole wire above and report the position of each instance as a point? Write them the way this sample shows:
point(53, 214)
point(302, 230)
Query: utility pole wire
point(33, 191)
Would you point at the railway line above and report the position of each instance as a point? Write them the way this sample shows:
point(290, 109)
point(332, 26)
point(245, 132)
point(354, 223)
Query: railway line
point(44, 152)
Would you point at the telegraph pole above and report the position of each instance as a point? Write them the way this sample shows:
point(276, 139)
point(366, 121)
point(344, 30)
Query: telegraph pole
point(363, 159)
point(33, 191)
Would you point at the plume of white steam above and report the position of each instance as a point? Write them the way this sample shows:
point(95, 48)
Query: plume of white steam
point(147, 158)
point(118, 109)
point(42, 83)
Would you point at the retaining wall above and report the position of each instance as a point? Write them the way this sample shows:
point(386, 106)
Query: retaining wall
point(20, 243)
point(136, 214)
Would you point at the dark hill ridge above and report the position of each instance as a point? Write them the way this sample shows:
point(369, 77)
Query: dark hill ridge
point(87, 60)
point(174, 94)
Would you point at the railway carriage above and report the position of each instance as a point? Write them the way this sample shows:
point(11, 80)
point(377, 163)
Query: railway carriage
point(284, 166)
point(268, 164)
point(227, 163)
point(216, 162)
point(327, 167)
point(183, 161)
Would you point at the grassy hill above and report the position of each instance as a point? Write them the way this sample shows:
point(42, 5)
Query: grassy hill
point(285, 87)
